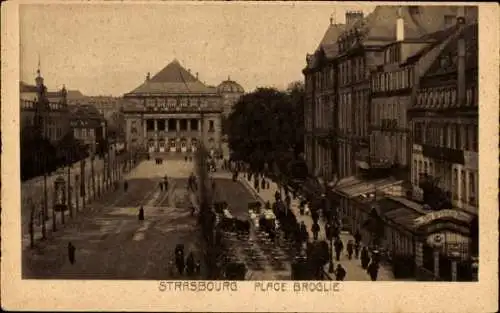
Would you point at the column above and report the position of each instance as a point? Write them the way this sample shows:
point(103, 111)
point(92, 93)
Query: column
point(188, 125)
point(177, 125)
point(155, 125)
point(436, 262)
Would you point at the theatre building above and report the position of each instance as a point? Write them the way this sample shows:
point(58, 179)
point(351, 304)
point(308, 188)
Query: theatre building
point(172, 112)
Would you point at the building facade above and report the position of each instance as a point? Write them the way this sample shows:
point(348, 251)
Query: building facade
point(320, 105)
point(444, 118)
point(171, 112)
point(89, 126)
point(44, 110)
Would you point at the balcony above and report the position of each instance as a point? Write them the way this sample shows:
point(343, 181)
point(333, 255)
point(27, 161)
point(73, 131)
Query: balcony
point(444, 154)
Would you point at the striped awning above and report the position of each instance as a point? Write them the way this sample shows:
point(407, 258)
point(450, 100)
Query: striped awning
point(356, 187)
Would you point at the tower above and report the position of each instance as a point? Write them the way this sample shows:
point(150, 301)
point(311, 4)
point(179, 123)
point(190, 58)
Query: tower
point(39, 78)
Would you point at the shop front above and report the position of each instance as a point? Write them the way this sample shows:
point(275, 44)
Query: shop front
point(356, 198)
point(444, 249)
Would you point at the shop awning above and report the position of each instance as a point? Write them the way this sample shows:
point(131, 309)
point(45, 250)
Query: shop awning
point(354, 187)
point(404, 217)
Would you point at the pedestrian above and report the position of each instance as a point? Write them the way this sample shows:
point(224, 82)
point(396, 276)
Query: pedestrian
point(315, 230)
point(71, 253)
point(125, 186)
point(267, 184)
point(339, 246)
point(263, 184)
point(165, 185)
point(185, 158)
point(302, 205)
point(340, 273)
point(193, 210)
point(357, 236)
point(256, 184)
point(365, 258)
point(373, 270)
point(288, 202)
point(357, 246)
point(141, 214)
point(161, 186)
point(277, 195)
point(190, 264)
point(350, 249)
point(303, 232)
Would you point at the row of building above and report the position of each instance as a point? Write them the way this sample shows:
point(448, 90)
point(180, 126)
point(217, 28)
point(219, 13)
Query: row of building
point(169, 113)
point(391, 114)
point(57, 115)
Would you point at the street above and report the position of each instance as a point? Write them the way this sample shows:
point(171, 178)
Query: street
point(110, 241)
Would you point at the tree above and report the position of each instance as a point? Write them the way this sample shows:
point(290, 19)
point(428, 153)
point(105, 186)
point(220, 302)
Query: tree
point(266, 126)
point(37, 154)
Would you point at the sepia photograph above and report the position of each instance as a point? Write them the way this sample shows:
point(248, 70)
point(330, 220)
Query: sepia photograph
point(206, 144)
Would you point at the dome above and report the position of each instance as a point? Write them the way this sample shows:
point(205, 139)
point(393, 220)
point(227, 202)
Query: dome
point(230, 86)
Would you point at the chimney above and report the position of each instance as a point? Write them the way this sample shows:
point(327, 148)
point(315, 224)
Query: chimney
point(352, 17)
point(461, 57)
point(196, 75)
point(400, 26)
point(148, 76)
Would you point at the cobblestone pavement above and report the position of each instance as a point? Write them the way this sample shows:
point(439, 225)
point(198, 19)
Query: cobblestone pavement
point(353, 267)
point(110, 241)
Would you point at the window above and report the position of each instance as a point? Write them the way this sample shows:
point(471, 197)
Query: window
point(458, 135)
point(415, 172)
point(211, 127)
point(161, 124)
point(472, 189)
point(445, 136)
point(172, 125)
point(194, 124)
point(150, 125)
point(463, 195)
point(455, 184)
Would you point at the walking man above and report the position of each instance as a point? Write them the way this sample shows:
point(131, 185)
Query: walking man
point(71, 253)
point(141, 214)
point(350, 249)
point(315, 231)
point(339, 246)
point(340, 273)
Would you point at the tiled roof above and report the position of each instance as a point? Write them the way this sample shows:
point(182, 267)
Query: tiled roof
point(470, 35)
point(173, 79)
point(85, 112)
point(435, 39)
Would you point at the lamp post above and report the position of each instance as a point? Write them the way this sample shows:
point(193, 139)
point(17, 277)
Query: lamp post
point(68, 163)
point(77, 184)
point(60, 196)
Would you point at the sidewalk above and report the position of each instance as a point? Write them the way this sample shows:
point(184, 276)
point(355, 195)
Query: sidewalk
point(353, 267)
point(91, 201)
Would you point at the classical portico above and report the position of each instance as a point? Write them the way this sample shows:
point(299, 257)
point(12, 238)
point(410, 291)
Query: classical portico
point(172, 112)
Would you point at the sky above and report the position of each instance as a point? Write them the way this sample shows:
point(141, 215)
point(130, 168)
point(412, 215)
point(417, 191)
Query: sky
point(108, 48)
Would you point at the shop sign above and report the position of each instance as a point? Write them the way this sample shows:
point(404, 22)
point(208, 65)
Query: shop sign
point(453, 214)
